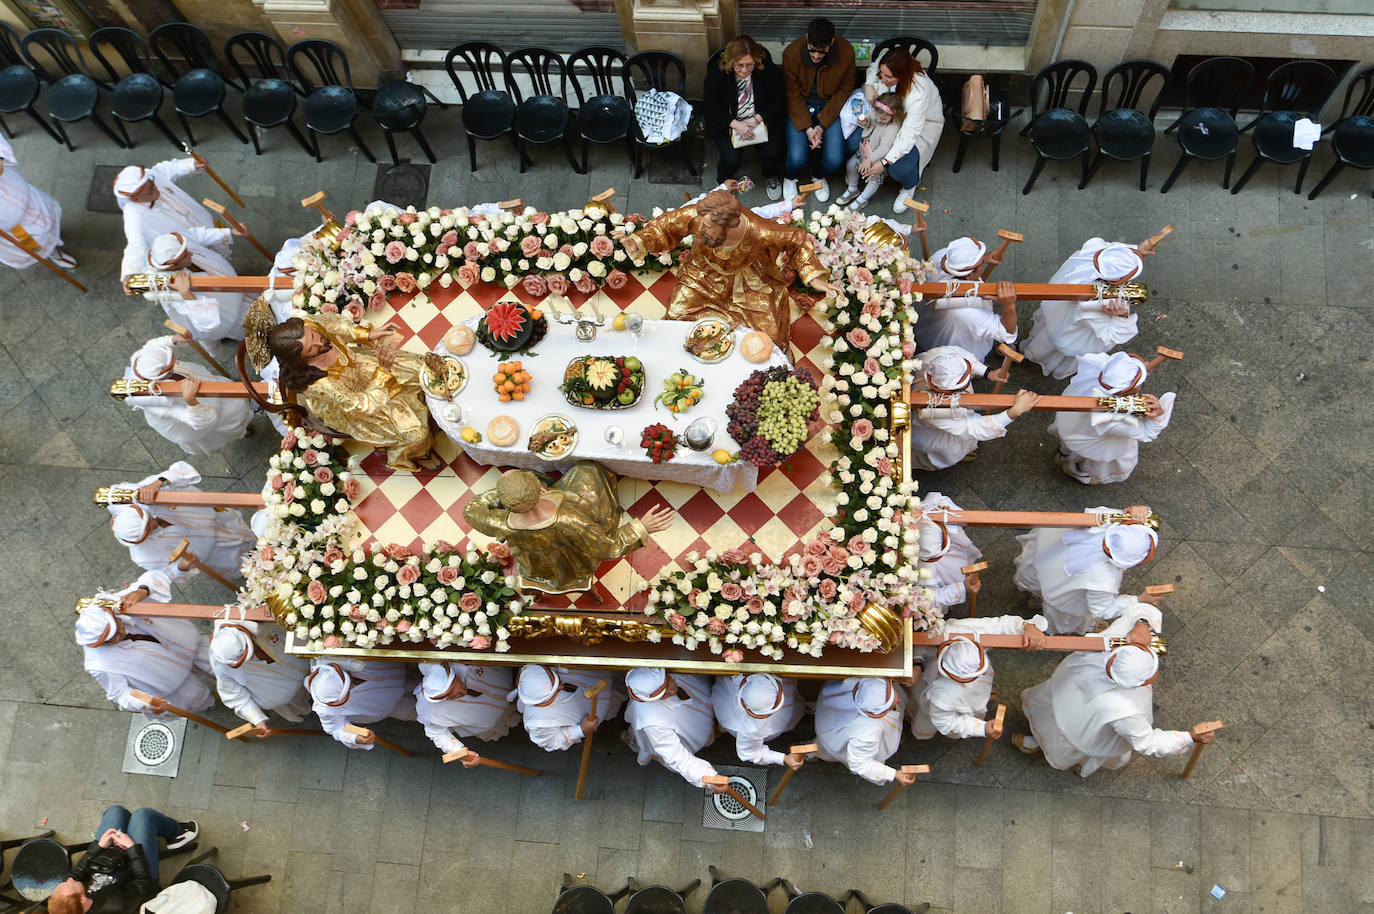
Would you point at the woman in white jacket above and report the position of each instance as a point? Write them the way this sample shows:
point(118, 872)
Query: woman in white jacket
point(897, 71)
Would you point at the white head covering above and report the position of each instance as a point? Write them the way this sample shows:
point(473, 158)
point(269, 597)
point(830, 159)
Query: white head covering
point(873, 696)
point(232, 644)
point(760, 694)
point(647, 683)
point(1121, 372)
point(165, 250)
point(284, 261)
point(435, 680)
point(129, 523)
point(1131, 665)
point(258, 523)
point(962, 255)
point(329, 683)
point(932, 540)
point(962, 659)
point(950, 368)
point(1127, 545)
point(154, 360)
point(536, 685)
point(94, 626)
point(1118, 263)
point(128, 181)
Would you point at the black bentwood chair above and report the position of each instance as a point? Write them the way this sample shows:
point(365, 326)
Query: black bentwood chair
point(1126, 131)
point(582, 899)
point(18, 83)
point(604, 113)
point(199, 87)
point(890, 908)
point(1057, 131)
point(543, 116)
point(331, 104)
point(488, 110)
point(736, 896)
point(1207, 128)
point(656, 899)
point(400, 107)
point(914, 44)
point(1293, 91)
point(72, 92)
point(665, 72)
point(213, 880)
point(269, 97)
point(137, 96)
point(1352, 136)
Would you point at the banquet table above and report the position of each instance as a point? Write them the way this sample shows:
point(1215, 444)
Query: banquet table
point(658, 345)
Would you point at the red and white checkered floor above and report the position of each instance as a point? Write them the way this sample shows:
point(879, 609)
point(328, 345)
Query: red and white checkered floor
point(785, 509)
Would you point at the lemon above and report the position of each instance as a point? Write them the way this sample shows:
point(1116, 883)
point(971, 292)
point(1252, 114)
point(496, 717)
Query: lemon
point(723, 456)
point(618, 322)
point(470, 435)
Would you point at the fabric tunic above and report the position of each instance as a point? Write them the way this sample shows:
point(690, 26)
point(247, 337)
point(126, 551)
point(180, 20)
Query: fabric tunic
point(558, 725)
point(937, 443)
point(484, 713)
point(30, 215)
point(173, 211)
point(846, 734)
point(219, 537)
point(378, 692)
point(1106, 446)
point(210, 316)
point(947, 576)
point(201, 429)
point(956, 709)
point(1064, 330)
point(257, 685)
point(752, 734)
point(672, 729)
point(1073, 603)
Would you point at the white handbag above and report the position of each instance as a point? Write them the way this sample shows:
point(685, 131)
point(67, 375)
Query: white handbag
point(760, 136)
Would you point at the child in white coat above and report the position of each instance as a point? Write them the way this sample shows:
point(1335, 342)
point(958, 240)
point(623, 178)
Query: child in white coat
point(880, 130)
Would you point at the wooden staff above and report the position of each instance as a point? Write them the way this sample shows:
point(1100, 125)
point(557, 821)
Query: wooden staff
point(1165, 355)
point(605, 195)
point(195, 344)
point(810, 188)
point(594, 693)
point(969, 518)
point(992, 737)
point(1133, 405)
point(720, 779)
point(1207, 727)
point(973, 594)
point(273, 731)
point(225, 390)
point(517, 203)
point(918, 225)
point(1003, 374)
point(994, 259)
point(1052, 642)
point(491, 763)
point(1159, 590)
point(205, 167)
point(1025, 291)
point(151, 610)
point(183, 550)
point(805, 749)
point(180, 712)
point(1153, 241)
point(238, 226)
point(380, 740)
point(41, 259)
point(316, 201)
point(110, 495)
point(905, 769)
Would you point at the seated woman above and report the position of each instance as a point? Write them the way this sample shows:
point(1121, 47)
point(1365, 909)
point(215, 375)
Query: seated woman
point(746, 101)
point(923, 121)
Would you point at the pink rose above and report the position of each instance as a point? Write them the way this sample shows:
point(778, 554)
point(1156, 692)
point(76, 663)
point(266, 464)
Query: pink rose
point(737, 556)
point(316, 593)
point(539, 219)
point(329, 308)
point(396, 551)
point(407, 218)
point(810, 566)
point(885, 466)
point(535, 285)
point(827, 589)
point(403, 625)
point(635, 218)
point(354, 309)
point(289, 441)
point(442, 250)
point(468, 274)
point(352, 489)
point(469, 602)
point(324, 474)
point(278, 481)
point(904, 286)
point(480, 643)
point(873, 307)
point(862, 429)
point(395, 251)
point(816, 547)
point(288, 492)
point(406, 283)
point(602, 246)
point(386, 282)
point(716, 626)
point(733, 656)
point(856, 603)
point(357, 613)
point(836, 637)
point(617, 279)
point(731, 591)
point(755, 604)
point(408, 574)
point(352, 217)
point(678, 621)
point(692, 597)
point(558, 284)
point(310, 456)
point(476, 219)
point(566, 249)
point(908, 350)
point(473, 251)
point(499, 551)
point(859, 338)
point(862, 276)
point(447, 575)
point(530, 245)
point(449, 238)
point(333, 554)
point(871, 367)
point(829, 565)
point(857, 545)
point(585, 284)
point(839, 554)
point(377, 300)
point(444, 546)
point(332, 641)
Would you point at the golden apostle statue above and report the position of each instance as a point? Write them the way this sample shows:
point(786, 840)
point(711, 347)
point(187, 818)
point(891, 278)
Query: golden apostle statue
point(353, 379)
point(737, 267)
point(559, 534)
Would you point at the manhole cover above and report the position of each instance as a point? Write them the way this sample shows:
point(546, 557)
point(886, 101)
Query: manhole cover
point(731, 808)
point(154, 747)
point(155, 744)
point(404, 185)
point(724, 811)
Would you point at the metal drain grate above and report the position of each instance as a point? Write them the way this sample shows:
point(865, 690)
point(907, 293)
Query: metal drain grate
point(154, 747)
point(724, 811)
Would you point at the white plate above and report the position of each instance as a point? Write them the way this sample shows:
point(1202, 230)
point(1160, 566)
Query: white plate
point(729, 340)
point(538, 428)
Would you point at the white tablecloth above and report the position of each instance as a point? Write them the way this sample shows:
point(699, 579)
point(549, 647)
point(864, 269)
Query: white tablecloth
point(658, 345)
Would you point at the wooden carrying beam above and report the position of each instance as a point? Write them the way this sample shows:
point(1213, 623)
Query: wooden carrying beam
point(490, 763)
point(1025, 291)
point(246, 729)
point(1048, 403)
point(1208, 727)
point(1067, 519)
point(804, 749)
point(109, 495)
point(151, 610)
point(721, 780)
point(1052, 642)
point(231, 390)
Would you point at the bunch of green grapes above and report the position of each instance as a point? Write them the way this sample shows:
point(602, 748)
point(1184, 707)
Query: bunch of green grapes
point(786, 408)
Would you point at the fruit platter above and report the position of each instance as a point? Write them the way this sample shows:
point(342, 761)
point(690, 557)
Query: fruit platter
point(603, 382)
point(511, 326)
point(681, 391)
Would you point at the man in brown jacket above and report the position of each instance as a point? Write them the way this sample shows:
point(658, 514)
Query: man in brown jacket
point(819, 71)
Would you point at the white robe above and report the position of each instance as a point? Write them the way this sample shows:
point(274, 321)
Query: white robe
point(938, 443)
point(257, 685)
point(219, 537)
point(558, 725)
point(379, 692)
point(956, 709)
point(25, 210)
point(1075, 603)
point(201, 429)
point(946, 572)
point(970, 322)
point(1064, 330)
point(752, 734)
point(845, 734)
point(1080, 717)
point(671, 730)
point(162, 668)
point(1105, 446)
point(487, 716)
point(210, 316)
point(173, 211)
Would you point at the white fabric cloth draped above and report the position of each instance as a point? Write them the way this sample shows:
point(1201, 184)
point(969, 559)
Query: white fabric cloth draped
point(484, 713)
point(174, 211)
point(956, 709)
point(1064, 330)
point(752, 734)
point(218, 537)
point(25, 207)
point(558, 725)
point(201, 429)
point(257, 686)
point(671, 730)
point(847, 735)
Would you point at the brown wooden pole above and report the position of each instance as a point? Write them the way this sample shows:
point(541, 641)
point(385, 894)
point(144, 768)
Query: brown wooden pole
point(1025, 291)
point(108, 495)
point(805, 749)
point(919, 226)
point(380, 740)
point(1049, 403)
point(1067, 519)
point(720, 779)
point(1165, 355)
point(491, 763)
point(316, 200)
point(905, 769)
point(183, 550)
point(1153, 241)
point(238, 226)
point(43, 260)
point(224, 390)
point(205, 167)
point(594, 693)
point(180, 712)
point(994, 260)
point(273, 731)
point(974, 569)
point(1052, 642)
point(993, 737)
point(195, 344)
point(151, 610)
point(1193, 756)
point(1009, 355)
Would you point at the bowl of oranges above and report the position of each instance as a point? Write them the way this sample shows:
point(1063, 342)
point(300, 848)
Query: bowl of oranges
point(512, 381)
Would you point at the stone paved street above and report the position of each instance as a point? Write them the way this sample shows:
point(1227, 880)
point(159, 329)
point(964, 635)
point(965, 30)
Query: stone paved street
point(1263, 481)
